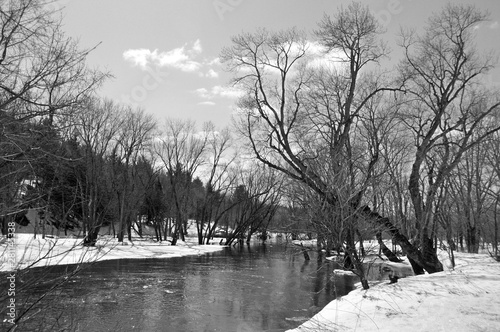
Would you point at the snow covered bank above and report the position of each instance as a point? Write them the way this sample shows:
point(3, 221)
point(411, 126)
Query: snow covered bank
point(37, 252)
point(464, 299)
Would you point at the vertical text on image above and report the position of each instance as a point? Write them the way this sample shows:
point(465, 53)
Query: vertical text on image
point(11, 263)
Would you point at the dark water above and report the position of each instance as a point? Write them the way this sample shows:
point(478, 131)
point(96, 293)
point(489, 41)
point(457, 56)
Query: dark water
point(257, 288)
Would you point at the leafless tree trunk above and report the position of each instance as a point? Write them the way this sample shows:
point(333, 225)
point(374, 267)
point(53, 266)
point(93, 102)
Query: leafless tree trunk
point(96, 124)
point(182, 152)
point(134, 137)
point(220, 182)
point(300, 120)
point(440, 73)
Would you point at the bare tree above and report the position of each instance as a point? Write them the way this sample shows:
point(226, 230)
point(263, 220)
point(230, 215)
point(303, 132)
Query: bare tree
point(254, 201)
point(182, 151)
point(470, 187)
point(396, 151)
point(494, 162)
point(447, 105)
point(301, 121)
point(40, 66)
point(42, 76)
point(219, 183)
point(96, 125)
point(132, 141)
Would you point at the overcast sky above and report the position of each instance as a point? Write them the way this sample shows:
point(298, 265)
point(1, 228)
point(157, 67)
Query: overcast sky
point(163, 53)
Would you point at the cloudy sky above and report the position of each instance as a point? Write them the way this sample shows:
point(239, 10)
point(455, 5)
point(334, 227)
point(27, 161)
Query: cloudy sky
point(164, 53)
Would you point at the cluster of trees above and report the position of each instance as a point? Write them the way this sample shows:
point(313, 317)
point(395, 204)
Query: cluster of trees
point(43, 76)
point(235, 195)
point(345, 148)
point(412, 152)
point(110, 165)
point(83, 162)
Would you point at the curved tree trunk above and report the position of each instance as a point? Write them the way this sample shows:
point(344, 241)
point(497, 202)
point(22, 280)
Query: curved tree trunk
point(425, 263)
point(386, 251)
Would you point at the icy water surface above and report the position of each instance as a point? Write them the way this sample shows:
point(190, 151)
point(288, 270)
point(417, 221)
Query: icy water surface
point(254, 288)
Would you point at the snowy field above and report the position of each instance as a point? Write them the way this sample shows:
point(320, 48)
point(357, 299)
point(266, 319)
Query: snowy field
point(464, 299)
point(37, 252)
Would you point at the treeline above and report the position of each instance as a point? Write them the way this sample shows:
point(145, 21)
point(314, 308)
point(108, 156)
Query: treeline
point(110, 165)
point(84, 162)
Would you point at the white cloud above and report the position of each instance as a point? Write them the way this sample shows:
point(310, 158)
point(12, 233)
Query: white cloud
point(214, 62)
point(219, 91)
point(138, 57)
point(212, 73)
point(197, 46)
point(207, 103)
point(183, 58)
point(203, 93)
point(227, 91)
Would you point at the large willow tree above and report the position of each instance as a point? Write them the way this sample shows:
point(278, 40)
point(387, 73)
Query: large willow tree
point(322, 124)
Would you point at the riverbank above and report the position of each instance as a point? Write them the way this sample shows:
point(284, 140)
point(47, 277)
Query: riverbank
point(465, 298)
point(30, 252)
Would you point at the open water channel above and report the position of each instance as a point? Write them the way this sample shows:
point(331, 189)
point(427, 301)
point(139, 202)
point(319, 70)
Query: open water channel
point(254, 288)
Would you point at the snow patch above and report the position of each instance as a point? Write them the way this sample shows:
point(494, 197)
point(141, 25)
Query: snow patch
point(464, 299)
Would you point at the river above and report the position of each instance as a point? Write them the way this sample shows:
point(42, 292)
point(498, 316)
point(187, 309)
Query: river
point(253, 288)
